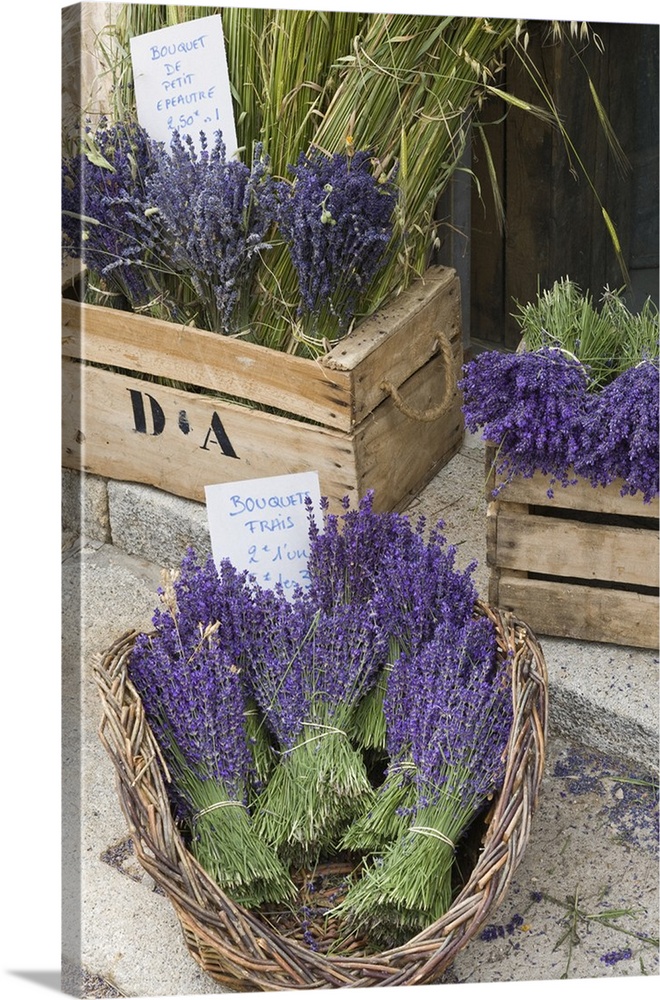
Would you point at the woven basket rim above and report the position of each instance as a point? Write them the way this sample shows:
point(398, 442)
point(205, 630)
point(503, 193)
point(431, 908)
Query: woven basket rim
point(239, 949)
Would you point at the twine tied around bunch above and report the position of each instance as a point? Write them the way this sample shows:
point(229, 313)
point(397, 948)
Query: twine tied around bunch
point(327, 731)
point(218, 805)
point(429, 831)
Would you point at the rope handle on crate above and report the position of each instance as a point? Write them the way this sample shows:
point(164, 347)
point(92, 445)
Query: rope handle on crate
point(434, 412)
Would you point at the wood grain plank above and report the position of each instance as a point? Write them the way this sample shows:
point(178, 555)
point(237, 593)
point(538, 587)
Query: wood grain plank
point(398, 340)
point(338, 390)
point(208, 360)
point(559, 547)
point(201, 441)
point(361, 439)
point(395, 454)
point(581, 496)
point(590, 613)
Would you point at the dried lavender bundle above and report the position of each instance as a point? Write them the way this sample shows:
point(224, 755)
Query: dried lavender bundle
point(532, 404)
point(224, 840)
point(388, 816)
point(621, 433)
point(200, 593)
point(336, 218)
point(105, 222)
point(195, 702)
point(548, 414)
point(448, 711)
point(216, 215)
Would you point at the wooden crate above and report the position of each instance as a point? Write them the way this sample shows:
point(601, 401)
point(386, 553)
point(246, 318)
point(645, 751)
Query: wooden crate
point(583, 565)
point(257, 412)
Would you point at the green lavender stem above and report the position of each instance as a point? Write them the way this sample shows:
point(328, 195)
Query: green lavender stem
point(318, 787)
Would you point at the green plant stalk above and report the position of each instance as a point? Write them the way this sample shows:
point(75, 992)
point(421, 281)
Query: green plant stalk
point(407, 87)
point(410, 885)
point(384, 822)
point(316, 788)
point(227, 845)
point(400, 92)
point(604, 917)
point(607, 340)
point(369, 729)
point(256, 734)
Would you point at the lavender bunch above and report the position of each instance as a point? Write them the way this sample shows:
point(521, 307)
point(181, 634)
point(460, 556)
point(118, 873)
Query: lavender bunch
point(336, 219)
point(620, 435)
point(533, 405)
point(200, 592)
point(547, 416)
point(215, 215)
point(386, 562)
point(105, 221)
point(449, 716)
point(347, 550)
point(195, 702)
point(432, 596)
point(309, 669)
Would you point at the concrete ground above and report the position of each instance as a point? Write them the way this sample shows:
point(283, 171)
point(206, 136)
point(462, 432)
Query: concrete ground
point(583, 905)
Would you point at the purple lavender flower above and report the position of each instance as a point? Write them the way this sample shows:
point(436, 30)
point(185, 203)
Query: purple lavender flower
point(337, 221)
point(617, 955)
point(194, 700)
point(201, 594)
point(309, 666)
point(419, 586)
point(387, 561)
point(620, 435)
point(448, 710)
point(543, 414)
point(103, 210)
point(216, 215)
point(309, 669)
point(532, 404)
point(346, 552)
point(449, 715)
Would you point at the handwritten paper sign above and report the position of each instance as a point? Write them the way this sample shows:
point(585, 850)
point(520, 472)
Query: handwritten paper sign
point(262, 525)
point(182, 82)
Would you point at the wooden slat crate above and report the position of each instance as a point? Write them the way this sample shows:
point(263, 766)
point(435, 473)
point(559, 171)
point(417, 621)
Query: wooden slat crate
point(256, 412)
point(583, 565)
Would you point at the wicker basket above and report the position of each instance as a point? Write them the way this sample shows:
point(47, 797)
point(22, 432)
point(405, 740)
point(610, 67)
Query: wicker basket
point(246, 952)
